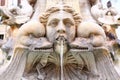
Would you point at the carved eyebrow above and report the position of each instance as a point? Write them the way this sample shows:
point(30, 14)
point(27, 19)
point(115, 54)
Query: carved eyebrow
point(55, 20)
point(68, 20)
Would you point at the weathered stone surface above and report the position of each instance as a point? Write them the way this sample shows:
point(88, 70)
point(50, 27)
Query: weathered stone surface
point(62, 45)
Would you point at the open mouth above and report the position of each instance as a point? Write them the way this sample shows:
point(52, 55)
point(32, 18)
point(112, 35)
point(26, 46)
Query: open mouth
point(42, 45)
point(61, 38)
point(45, 48)
point(80, 47)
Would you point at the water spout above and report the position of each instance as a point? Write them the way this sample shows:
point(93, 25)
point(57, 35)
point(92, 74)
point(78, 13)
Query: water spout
point(61, 59)
point(61, 48)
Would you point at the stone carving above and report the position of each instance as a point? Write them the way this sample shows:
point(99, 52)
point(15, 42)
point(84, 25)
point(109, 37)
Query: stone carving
point(11, 29)
point(60, 46)
point(110, 22)
point(14, 16)
point(112, 43)
point(95, 33)
point(18, 14)
point(98, 11)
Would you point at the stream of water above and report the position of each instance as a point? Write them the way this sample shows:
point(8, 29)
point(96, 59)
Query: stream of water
point(61, 44)
point(61, 60)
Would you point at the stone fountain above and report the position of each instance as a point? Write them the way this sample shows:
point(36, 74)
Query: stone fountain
point(61, 45)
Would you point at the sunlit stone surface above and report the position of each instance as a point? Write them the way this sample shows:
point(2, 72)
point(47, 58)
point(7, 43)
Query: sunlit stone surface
point(54, 40)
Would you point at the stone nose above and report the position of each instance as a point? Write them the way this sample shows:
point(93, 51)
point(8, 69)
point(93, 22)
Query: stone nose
point(61, 31)
point(61, 28)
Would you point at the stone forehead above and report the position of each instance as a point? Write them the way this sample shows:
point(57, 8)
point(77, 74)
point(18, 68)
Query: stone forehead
point(63, 7)
point(66, 8)
point(60, 15)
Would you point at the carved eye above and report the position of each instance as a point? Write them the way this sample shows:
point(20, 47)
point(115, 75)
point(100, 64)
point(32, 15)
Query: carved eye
point(68, 23)
point(53, 23)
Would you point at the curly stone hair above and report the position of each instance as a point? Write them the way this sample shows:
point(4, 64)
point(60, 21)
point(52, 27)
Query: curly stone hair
point(44, 17)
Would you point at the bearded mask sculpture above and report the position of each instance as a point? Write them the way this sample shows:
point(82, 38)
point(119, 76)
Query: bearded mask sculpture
point(55, 49)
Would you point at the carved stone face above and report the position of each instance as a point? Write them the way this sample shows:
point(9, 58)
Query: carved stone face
point(60, 23)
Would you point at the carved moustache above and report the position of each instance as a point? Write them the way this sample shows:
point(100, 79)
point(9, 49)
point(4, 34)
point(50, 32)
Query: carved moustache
point(60, 40)
point(61, 37)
